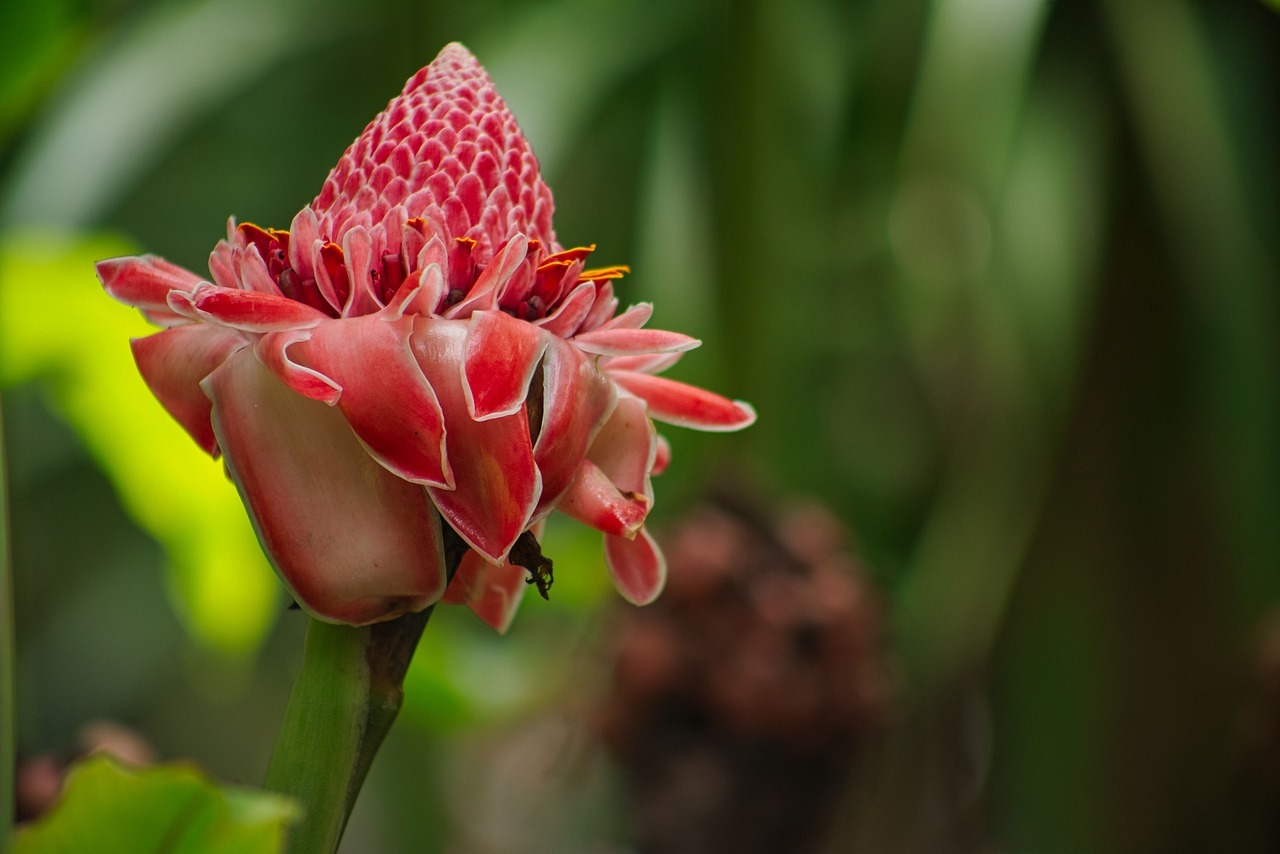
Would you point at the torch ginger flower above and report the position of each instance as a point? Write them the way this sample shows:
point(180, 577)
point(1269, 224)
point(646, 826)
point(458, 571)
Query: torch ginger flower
point(417, 347)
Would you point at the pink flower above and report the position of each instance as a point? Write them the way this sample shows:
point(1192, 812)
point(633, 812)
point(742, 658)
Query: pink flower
point(418, 346)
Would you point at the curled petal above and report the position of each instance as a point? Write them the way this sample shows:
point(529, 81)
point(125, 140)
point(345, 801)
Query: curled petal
point(181, 305)
point(624, 341)
point(144, 281)
point(421, 296)
point(252, 311)
point(576, 400)
point(603, 308)
point(222, 265)
point(331, 273)
point(496, 481)
point(594, 500)
point(355, 543)
point(501, 354)
point(637, 566)
point(272, 350)
point(685, 405)
point(304, 231)
point(568, 316)
point(173, 363)
point(384, 395)
point(357, 252)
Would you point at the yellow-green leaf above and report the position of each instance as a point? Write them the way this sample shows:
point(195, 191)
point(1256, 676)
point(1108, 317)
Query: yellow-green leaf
point(57, 327)
point(108, 809)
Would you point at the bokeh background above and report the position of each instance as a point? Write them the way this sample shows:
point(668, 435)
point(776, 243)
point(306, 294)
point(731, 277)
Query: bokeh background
point(1000, 277)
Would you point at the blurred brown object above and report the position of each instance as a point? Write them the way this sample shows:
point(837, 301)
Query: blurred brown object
point(741, 697)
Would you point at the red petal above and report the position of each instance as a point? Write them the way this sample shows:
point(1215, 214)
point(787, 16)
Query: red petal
point(484, 293)
point(501, 354)
point(421, 293)
point(467, 584)
point(649, 363)
point(594, 500)
point(252, 269)
point(357, 252)
point(497, 483)
point(252, 311)
point(623, 341)
point(568, 316)
point(493, 592)
point(633, 318)
point(222, 264)
point(304, 231)
point(173, 363)
point(576, 399)
point(144, 281)
point(626, 446)
point(354, 543)
point(384, 395)
point(272, 350)
point(638, 568)
point(685, 405)
point(500, 597)
point(603, 308)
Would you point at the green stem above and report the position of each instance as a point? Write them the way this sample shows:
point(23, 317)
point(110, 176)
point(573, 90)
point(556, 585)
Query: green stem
point(345, 698)
point(7, 667)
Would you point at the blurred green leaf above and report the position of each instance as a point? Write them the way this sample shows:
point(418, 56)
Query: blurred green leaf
point(106, 808)
point(36, 40)
point(57, 326)
point(139, 92)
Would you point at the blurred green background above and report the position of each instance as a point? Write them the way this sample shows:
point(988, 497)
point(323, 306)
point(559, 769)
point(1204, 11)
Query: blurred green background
point(1000, 277)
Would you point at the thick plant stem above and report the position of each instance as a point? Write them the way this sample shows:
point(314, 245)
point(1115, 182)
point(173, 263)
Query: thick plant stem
point(344, 700)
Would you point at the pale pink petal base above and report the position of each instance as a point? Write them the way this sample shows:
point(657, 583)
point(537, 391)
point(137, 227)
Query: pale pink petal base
point(354, 543)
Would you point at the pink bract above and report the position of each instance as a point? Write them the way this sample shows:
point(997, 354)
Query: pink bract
point(417, 346)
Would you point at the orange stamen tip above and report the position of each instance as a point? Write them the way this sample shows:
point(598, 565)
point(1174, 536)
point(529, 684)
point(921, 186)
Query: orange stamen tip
point(559, 262)
point(615, 272)
point(575, 254)
point(468, 242)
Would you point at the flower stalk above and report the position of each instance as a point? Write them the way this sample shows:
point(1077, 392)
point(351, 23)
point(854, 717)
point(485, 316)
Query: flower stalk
point(344, 700)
